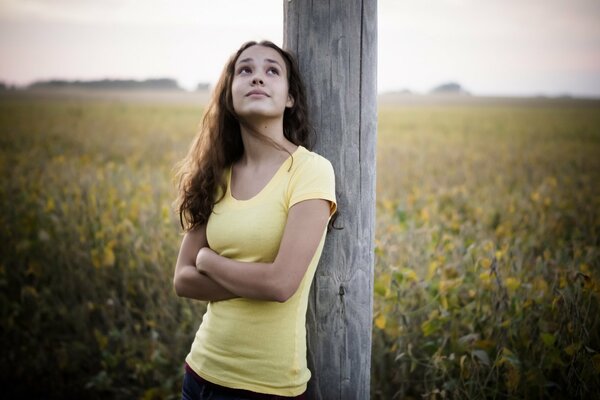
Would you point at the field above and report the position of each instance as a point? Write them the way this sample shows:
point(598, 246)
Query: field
point(487, 275)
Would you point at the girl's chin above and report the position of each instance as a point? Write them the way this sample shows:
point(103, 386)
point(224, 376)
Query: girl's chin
point(257, 112)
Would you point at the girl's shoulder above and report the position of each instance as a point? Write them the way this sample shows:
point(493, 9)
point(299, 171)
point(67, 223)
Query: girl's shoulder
point(304, 158)
point(309, 165)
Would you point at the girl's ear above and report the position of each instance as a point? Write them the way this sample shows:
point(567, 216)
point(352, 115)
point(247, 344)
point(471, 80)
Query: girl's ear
point(290, 101)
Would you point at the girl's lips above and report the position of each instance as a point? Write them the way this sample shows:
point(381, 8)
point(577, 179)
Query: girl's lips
point(256, 93)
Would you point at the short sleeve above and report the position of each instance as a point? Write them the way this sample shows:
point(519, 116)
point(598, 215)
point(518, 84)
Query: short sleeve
point(314, 179)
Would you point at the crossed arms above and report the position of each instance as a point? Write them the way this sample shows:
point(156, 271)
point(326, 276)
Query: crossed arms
point(202, 274)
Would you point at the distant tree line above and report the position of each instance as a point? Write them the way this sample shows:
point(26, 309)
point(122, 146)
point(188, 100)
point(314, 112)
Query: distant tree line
point(4, 87)
point(154, 84)
point(450, 88)
point(126, 84)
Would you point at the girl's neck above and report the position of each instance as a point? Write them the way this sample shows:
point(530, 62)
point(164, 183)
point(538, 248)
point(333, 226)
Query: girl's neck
point(259, 151)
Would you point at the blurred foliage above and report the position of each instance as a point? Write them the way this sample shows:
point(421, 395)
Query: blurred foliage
point(88, 244)
point(487, 280)
point(487, 251)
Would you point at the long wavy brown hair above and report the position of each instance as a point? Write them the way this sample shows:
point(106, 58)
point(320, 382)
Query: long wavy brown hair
point(218, 143)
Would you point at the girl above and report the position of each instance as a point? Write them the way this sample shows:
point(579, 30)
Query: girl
point(255, 204)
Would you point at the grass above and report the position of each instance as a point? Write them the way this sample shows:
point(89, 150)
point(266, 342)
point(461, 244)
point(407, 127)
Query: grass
point(487, 279)
point(488, 227)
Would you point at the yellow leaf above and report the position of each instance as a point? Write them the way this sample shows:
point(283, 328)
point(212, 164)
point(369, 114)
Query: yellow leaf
point(449, 284)
point(512, 377)
point(572, 348)
point(382, 284)
point(507, 357)
point(585, 269)
point(432, 324)
point(486, 344)
point(380, 321)
point(444, 302)
point(540, 287)
point(596, 362)
point(488, 246)
point(50, 205)
point(464, 371)
point(108, 257)
point(424, 215)
point(485, 278)
point(548, 338)
point(96, 262)
point(34, 269)
point(153, 393)
point(547, 255)
point(562, 281)
point(555, 302)
point(512, 284)
point(409, 274)
point(485, 263)
point(499, 255)
point(29, 291)
point(100, 339)
point(433, 266)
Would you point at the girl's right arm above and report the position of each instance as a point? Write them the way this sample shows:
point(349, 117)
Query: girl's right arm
point(190, 283)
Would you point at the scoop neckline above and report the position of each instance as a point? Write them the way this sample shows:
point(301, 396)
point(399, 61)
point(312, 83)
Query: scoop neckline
point(267, 186)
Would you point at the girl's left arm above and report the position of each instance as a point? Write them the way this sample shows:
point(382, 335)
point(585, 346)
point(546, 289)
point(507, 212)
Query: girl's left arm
point(279, 280)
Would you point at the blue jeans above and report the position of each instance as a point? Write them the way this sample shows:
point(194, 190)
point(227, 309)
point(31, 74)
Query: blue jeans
point(193, 389)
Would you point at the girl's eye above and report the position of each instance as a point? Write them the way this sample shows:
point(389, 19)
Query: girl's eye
point(244, 70)
point(273, 71)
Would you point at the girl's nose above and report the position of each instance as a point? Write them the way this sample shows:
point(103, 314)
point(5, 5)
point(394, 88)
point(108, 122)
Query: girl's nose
point(257, 81)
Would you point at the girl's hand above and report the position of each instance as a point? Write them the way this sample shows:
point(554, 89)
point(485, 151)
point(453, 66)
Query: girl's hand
point(204, 254)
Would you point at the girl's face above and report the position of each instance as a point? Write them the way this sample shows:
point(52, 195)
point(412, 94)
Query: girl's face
point(260, 87)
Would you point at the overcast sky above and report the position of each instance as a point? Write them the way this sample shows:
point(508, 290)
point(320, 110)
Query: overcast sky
point(490, 47)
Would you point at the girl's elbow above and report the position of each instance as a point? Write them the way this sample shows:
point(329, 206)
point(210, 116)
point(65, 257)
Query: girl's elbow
point(283, 293)
point(178, 286)
point(280, 296)
point(283, 287)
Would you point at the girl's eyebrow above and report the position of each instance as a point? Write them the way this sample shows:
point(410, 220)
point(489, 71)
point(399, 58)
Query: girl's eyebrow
point(249, 59)
point(272, 61)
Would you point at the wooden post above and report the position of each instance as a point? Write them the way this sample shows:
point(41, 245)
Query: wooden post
point(335, 42)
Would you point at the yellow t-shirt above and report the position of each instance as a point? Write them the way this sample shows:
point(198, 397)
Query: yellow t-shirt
point(253, 344)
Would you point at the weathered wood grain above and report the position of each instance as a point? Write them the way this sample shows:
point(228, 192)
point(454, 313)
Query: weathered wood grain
point(335, 42)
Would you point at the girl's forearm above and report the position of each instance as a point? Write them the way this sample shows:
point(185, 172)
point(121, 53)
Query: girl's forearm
point(246, 279)
point(192, 284)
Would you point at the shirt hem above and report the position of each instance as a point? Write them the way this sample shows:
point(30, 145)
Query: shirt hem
point(315, 196)
point(296, 391)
